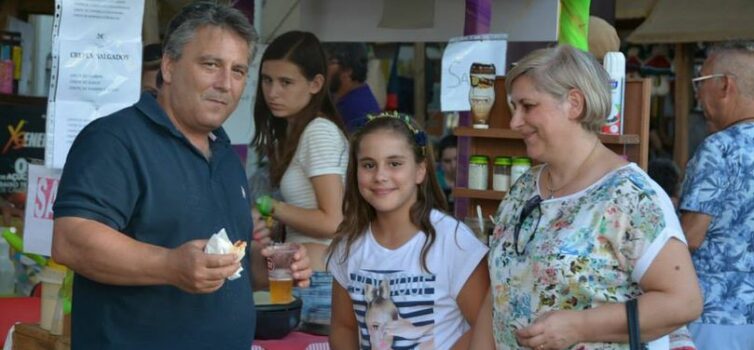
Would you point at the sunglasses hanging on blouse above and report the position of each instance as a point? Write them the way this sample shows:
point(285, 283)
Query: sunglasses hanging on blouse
point(529, 207)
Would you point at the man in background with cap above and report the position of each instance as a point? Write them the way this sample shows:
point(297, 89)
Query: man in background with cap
point(150, 66)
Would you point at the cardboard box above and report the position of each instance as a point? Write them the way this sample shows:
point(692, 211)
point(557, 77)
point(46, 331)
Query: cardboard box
point(29, 336)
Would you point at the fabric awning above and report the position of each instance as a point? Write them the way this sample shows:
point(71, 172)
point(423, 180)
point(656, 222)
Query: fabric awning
point(631, 9)
point(684, 21)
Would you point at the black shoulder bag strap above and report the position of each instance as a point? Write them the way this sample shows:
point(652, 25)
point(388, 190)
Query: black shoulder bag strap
point(634, 337)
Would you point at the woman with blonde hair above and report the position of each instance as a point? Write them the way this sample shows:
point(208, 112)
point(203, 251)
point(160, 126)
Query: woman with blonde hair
point(584, 232)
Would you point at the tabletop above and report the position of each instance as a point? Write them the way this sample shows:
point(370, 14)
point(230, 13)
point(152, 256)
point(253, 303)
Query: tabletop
point(293, 341)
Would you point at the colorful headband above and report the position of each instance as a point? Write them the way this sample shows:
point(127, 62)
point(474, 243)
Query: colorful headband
point(420, 137)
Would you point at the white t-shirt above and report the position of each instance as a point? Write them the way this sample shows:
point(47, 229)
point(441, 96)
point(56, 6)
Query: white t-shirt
point(398, 304)
point(322, 150)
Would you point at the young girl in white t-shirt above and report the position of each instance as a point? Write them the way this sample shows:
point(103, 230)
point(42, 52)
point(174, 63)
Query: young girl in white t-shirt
point(406, 274)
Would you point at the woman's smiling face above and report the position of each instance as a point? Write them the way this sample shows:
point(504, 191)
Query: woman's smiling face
point(537, 116)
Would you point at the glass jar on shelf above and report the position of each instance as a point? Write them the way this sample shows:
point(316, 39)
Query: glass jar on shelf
point(501, 174)
point(481, 93)
point(478, 172)
point(520, 166)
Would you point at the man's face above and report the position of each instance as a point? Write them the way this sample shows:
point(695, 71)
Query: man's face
point(207, 81)
point(706, 95)
point(448, 162)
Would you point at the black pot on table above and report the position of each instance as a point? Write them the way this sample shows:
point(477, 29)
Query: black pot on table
point(275, 321)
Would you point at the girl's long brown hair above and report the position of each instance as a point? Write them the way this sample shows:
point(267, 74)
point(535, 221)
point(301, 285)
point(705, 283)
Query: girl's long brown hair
point(358, 213)
point(272, 137)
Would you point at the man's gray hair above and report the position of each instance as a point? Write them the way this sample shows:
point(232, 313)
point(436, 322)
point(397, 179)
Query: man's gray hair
point(184, 25)
point(735, 58)
point(557, 70)
point(204, 13)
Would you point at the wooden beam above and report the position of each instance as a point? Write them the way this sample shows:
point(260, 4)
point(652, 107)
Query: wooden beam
point(7, 8)
point(151, 25)
point(27, 7)
point(477, 21)
point(683, 73)
point(420, 84)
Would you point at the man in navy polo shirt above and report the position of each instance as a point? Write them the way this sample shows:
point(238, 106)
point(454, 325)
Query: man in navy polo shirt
point(144, 188)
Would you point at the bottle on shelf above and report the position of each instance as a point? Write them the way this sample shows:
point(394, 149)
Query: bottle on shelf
point(481, 93)
point(615, 64)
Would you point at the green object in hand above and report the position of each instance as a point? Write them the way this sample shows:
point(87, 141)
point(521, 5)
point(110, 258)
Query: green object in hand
point(17, 243)
point(66, 292)
point(264, 205)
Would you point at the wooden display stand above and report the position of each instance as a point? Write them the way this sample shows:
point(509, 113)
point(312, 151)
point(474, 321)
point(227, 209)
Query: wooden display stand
point(500, 140)
point(30, 336)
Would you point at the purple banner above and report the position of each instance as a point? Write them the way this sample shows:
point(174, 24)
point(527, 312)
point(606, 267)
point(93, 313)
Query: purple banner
point(478, 16)
point(477, 21)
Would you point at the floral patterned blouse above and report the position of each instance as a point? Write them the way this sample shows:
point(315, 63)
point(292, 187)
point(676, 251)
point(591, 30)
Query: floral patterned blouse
point(578, 251)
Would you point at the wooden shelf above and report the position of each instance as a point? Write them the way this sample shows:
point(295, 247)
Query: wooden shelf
point(478, 194)
point(628, 139)
point(500, 140)
point(495, 133)
point(498, 133)
point(22, 100)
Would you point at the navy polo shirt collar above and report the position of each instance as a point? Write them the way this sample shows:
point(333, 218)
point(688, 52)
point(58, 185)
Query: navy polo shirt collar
point(148, 105)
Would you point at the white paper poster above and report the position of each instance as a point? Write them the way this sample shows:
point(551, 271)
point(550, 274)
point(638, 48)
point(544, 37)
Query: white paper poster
point(41, 192)
point(457, 59)
point(96, 67)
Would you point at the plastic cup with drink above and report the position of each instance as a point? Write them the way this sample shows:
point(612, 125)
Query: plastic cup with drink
point(279, 272)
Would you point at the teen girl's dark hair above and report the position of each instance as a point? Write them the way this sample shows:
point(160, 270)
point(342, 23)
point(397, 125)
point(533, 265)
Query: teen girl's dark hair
point(273, 137)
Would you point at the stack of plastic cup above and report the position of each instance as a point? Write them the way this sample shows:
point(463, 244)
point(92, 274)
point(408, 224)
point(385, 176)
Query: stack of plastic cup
point(52, 280)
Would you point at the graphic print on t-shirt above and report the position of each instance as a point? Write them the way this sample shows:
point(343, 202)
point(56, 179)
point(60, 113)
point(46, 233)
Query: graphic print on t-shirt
point(394, 309)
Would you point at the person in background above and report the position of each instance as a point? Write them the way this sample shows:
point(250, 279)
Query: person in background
point(408, 276)
point(602, 38)
point(583, 232)
point(446, 172)
point(150, 66)
point(142, 190)
point(717, 199)
point(302, 136)
point(667, 175)
point(10, 210)
point(347, 70)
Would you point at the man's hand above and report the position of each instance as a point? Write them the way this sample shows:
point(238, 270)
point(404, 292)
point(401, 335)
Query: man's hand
point(301, 266)
point(195, 271)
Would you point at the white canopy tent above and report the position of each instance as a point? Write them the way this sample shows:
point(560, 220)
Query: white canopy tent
point(684, 22)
